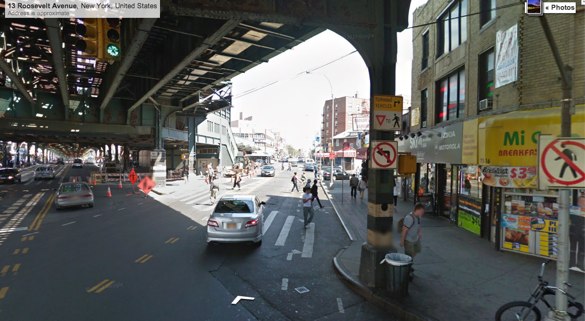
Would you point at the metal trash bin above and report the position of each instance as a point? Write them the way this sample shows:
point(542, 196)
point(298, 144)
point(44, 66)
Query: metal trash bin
point(397, 273)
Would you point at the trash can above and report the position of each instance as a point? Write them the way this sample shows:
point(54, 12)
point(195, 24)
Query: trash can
point(397, 270)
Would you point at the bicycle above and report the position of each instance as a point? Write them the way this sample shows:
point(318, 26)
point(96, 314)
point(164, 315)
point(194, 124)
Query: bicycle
point(528, 311)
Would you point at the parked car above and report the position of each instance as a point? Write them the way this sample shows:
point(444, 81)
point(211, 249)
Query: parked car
point(236, 218)
point(111, 167)
point(339, 173)
point(74, 194)
point(10, 175)
point(44, 172)
point(309, 167)
point(267, 170)
point(77, 163)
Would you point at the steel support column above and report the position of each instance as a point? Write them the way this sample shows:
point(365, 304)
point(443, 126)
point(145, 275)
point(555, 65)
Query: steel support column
point(380, 184)
point(54, 34)
point(193, 122)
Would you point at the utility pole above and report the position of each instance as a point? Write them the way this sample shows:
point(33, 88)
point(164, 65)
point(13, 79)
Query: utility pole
point(560, 313)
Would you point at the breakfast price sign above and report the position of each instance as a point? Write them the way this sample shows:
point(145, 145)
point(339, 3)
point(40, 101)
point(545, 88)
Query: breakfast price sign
point(510, 177)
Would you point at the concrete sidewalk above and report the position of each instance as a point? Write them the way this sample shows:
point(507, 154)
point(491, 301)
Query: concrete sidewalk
point(459, 276)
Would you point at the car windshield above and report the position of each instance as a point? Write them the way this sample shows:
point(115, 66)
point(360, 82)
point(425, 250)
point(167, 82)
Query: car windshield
point(78, 161)
point(268, 167)
point(234, 206)
point(72, 188)
point(42, 169)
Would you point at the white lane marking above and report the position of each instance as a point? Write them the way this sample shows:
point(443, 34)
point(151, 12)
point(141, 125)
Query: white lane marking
point(13, 229)
point(309, 241)
point(289, 257)
point(340, 305)
point(121, 209)
point(269, 221)
point(97, 215)
point(72, 222)
point(285, 230)
point(284, 284)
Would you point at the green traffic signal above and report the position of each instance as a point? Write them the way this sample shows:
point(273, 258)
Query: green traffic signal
point(113, 50)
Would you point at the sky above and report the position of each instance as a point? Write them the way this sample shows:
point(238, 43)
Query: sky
point(293, 102)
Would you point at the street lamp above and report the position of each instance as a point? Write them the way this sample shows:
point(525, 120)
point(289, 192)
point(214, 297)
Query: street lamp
point(332, 121)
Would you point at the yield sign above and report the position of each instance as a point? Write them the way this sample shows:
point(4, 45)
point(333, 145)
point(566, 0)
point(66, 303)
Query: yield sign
point(560, 162)
point(380, 119)
point(384, 154)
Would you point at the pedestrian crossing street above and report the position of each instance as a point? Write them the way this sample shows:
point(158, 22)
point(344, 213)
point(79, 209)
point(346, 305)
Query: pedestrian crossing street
point(281, 224)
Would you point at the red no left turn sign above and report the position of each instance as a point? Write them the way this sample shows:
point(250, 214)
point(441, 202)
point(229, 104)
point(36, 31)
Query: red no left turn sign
point(561, 162)
point(384, 154)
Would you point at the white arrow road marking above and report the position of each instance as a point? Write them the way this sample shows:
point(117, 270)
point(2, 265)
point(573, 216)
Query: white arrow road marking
point(239, 297)
point(289, 257)
point(284, 285)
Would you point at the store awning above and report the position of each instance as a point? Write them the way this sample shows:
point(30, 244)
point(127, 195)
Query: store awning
point(346, 153)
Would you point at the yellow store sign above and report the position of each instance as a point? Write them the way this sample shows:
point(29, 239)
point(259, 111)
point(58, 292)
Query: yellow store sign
point(512, 139)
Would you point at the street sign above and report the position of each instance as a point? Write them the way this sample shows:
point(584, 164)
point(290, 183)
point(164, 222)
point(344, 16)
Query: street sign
point(384, 154)
point(560, 162)
point(388, 113)
point(132, 176)
point(332, 156)
point(146, 184)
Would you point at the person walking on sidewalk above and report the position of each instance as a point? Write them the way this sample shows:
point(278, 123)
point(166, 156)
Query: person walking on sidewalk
point(213, 189)
point(308, 212)
point(353, 183)
point(237, 180)
point(362, 186)
point(395, 193)
point(411, 235)
point(295, 181)
point(315, 193)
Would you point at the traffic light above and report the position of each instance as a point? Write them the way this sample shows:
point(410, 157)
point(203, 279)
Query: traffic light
point(88, 37)
point(111, 49)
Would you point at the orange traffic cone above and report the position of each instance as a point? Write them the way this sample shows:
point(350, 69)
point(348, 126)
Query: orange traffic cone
point(109, 193)
point(120, 183)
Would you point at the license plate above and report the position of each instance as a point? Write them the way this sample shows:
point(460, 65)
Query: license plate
point(231, 225)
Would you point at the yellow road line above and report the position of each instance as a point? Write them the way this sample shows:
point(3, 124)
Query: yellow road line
point(169, 240)
point(138, 260)
point(97, 286)
point(175, 240)
point(146, 259)
point(32, 237)
point(43, 213)
point(25, 250)
point(3, 292)
point(34, 222)
point(16, 268)
point(5, 269)
point(107, 285)
point(16, 252)
point(191, 228)
point(23, 239)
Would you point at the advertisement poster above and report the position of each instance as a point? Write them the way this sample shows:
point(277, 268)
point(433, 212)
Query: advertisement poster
point(516, 231)
point(509, 177)
point(506, 56)
point(469, 216)
point(547, 244)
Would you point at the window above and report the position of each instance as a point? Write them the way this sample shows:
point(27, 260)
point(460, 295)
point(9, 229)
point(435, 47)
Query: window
point(452, 28)
point(487, 11)
point(425, 50)
point(209, 126)
point(451, 97)
point(486, 75)
point(424, 96)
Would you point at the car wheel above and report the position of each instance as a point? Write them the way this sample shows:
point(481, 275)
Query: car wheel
point(258, 244)
point(90, 205)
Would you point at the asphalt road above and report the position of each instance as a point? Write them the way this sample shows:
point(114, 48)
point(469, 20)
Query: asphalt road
point(137, 258)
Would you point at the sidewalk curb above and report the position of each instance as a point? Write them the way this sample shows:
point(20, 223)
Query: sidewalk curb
point(351, 238)
point(394, 307)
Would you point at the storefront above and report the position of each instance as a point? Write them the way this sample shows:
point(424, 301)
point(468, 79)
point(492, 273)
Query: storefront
point(438, 153)
point(523, 218)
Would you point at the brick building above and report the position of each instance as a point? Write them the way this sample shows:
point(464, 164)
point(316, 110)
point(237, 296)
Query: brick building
point(349, 114)
point(485, 85)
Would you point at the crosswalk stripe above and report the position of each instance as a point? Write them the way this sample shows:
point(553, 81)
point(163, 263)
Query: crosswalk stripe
point(268, 221)
point(284, 231)
point(309, 241)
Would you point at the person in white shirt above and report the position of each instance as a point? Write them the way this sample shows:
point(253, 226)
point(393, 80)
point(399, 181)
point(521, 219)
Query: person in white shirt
point(396, 192)
point(308, 212)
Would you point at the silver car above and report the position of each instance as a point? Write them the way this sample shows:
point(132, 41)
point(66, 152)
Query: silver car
point(236, 218)
point(267, 170)
point(43, 172)
point(74, 194)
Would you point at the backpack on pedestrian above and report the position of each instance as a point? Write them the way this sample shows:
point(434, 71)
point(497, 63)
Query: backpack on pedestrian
point(400, 224)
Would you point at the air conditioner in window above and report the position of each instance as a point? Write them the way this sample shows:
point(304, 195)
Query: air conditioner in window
point(485, 104)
